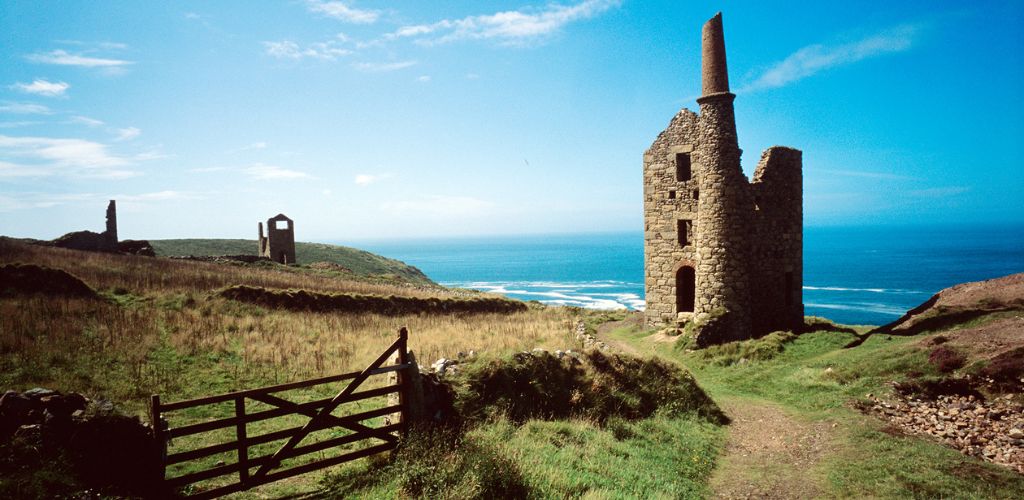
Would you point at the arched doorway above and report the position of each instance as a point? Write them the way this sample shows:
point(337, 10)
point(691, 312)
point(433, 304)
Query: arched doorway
point(686, 289)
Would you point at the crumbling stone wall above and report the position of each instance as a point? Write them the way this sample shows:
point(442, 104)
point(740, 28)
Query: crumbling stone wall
point(91, 241)
point(279, 243)
point(715, 243)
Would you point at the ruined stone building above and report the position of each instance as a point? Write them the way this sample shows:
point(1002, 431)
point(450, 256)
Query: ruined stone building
point(719, 250)
point(93, 242)
point(279, 243)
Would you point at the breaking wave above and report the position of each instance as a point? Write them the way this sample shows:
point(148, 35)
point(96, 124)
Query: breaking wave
point(602, 294)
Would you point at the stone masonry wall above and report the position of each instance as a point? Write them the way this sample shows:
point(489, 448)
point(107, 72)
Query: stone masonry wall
point(667, 201)
point(776, 266)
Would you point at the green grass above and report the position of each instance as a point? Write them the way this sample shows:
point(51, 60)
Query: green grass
point(659, 457)
point(815, 378)
point(360, 262)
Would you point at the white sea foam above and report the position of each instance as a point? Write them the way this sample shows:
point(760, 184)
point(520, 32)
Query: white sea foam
point(874, 308)
point(871, 290)
point(558, 293)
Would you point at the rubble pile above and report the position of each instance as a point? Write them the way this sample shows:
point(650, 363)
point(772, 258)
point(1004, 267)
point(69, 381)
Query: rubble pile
point(991, 430)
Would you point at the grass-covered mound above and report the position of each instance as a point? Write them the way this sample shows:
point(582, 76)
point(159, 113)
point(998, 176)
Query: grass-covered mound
point(536, 425)
point(394, 305)
point(596, 386)
point(28, 279)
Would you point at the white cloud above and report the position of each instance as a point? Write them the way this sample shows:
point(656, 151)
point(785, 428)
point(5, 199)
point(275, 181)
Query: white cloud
point(367, 179)
point(815, 58)
point(287, 49)
point(371, 67)
point(43, 88)
point(342, 11)
point(157, 196)
point(445, 206)
point(512, 27)
point(85, 120)
point(263, 172)
point(125, 134)
point(423, 78)
point(49, 156)
point(192, 15)
point(255, 145)
point(24, 108)
point(63, 58)
point(22, 123)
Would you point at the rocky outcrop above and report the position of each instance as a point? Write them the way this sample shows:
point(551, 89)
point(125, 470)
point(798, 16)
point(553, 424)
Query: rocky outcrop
point(102, 450)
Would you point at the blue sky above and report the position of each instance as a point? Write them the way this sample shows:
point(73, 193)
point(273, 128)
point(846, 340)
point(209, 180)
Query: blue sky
point(366, 119)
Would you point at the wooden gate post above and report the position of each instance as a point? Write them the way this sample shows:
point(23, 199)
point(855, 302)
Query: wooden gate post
point(159, 439)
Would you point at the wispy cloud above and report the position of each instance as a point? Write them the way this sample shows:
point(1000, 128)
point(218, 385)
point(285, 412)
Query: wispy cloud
point(287, 49)
point(816, 58)
point(126, 134)
point(64, 58)
point(263, 172)
point(52, 156)
point(514, 27)
point(866, 174)
point(85, 120)
point(446, 206)
point(343, 12)
point(939, 192)
point(367, 179)
point(168, 195)
point(24, 108)
point(43, 88)
point(380, 67)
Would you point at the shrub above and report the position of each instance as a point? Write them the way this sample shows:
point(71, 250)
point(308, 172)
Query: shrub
point(762, 349)
point(946, 360)
point(596, 387)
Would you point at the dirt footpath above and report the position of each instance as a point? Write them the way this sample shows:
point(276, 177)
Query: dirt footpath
point(769, 454)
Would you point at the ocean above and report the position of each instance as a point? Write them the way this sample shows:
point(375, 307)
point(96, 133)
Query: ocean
point(862, 275)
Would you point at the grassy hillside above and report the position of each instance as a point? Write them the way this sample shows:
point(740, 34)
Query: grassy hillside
point(810, 385)
point(360, 262)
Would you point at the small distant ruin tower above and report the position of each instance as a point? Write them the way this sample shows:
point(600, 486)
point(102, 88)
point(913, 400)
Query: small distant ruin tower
point(718, 249)
point(110, 235)
point(279, 243)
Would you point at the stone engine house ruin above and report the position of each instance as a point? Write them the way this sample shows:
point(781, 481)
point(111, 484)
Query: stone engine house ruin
point(720, 250)
point(279, 243)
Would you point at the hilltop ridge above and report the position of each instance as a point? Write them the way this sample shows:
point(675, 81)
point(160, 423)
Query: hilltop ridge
point(359, 262)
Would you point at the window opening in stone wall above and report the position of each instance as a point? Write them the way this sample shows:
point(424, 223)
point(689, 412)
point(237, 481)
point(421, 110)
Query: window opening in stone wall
point(696, 195)
point(279, 225)
point(789, 288)
point(686, 289)
point(684, 231)
point(683, 170)
point(671, 195)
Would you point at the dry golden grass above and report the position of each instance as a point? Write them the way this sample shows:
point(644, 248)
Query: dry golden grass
point(160, 329)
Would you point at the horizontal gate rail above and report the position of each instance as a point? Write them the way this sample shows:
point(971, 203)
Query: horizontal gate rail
point(320, 416)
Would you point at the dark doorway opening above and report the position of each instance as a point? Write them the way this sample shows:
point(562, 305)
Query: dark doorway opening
point(686, 289)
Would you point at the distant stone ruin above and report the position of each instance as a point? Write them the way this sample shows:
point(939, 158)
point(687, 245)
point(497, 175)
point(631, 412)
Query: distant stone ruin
point(90, 241)
point(103, 242)
point(279, 243)
point(720, 251)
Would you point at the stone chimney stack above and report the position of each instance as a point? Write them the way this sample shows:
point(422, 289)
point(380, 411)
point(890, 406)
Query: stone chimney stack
point(714, 74)
point(111, 232)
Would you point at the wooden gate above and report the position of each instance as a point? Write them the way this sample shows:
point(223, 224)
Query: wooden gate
point(268, 467)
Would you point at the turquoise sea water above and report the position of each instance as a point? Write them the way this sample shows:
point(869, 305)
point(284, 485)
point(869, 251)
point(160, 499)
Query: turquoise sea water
point(865, 275)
